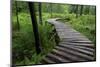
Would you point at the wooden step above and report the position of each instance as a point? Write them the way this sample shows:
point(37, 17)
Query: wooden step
point(76, 53)
point(67, 55)
point(77, 49)
point(87, 49)
point(56, 58)
point(78, 44)
point(75, 39)
point(47, 60)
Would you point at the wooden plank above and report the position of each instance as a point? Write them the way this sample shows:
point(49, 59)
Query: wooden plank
point(78, 44)
point(77, 49)
point(76, 53)
point(58, 58)
point(76, 40)
point(47, 60)
point(67, 56)
point(88, 49)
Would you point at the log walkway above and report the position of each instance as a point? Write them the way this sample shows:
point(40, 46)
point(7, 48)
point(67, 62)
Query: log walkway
point(73, 46)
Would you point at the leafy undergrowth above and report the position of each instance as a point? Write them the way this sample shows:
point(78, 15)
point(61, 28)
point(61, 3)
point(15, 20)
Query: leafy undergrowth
point(86, 24)
point(23, 44)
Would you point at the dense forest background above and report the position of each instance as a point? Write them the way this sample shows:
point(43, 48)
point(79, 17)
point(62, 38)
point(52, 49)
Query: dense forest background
point(81, 17)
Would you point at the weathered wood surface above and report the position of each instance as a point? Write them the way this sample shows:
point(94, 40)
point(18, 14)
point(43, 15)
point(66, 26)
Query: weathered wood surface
point(73, 46)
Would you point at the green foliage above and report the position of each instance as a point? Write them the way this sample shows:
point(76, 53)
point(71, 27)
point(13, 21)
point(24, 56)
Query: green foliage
point(23, 41)
point(45, 40)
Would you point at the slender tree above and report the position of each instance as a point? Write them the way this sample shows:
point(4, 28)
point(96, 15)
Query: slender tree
point(86, 9)
point(72, 8)
point(81, 10)
point(35, 27)
point(51, 9)
point(76, 11)
point(18, 25)
point(94, 10)
point(40, 12)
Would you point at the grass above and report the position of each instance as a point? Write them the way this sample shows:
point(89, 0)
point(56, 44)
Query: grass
point(23, 48)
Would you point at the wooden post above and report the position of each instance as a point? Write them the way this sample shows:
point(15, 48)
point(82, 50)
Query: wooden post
point(17, 15)
point(35, 27)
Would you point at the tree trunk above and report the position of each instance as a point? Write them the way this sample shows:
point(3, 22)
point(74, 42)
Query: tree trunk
point(51, 9)
point(35, 27)
point(95, 10)
point(76, 11)
point(40, 13)
point(81, 10)
point(88, 9)
point(18, 25)
point(73, 9)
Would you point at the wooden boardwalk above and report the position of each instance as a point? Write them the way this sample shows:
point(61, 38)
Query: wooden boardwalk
point(73, 46)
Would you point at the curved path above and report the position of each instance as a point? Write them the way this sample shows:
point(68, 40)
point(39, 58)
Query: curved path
point(73, 46)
